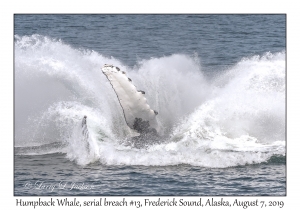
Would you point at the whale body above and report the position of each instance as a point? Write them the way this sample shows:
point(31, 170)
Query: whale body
point(137, 112)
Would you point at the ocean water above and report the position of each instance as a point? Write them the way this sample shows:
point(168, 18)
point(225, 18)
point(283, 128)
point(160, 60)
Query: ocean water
point(218, 83)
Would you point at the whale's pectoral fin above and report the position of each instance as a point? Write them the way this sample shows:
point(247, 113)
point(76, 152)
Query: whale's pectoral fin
point(85, 134)
point(138, 114)
point(84, 129)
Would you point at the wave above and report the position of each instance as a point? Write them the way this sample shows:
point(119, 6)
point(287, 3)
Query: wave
point(236, 117)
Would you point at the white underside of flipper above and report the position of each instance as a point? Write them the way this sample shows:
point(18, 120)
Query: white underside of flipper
point(133, 102)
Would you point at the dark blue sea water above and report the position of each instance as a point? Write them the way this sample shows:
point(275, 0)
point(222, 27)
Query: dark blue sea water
point(218, 83)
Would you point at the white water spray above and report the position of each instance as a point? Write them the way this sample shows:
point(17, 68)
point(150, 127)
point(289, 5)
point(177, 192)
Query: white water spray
point(238, 118)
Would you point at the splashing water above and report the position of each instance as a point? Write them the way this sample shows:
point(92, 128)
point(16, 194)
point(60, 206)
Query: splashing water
point(235, 118)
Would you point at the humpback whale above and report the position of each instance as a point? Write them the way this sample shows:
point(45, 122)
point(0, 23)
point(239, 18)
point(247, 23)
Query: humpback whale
point(137, 112)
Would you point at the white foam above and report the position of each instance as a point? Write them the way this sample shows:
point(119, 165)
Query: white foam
point(235, 119)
